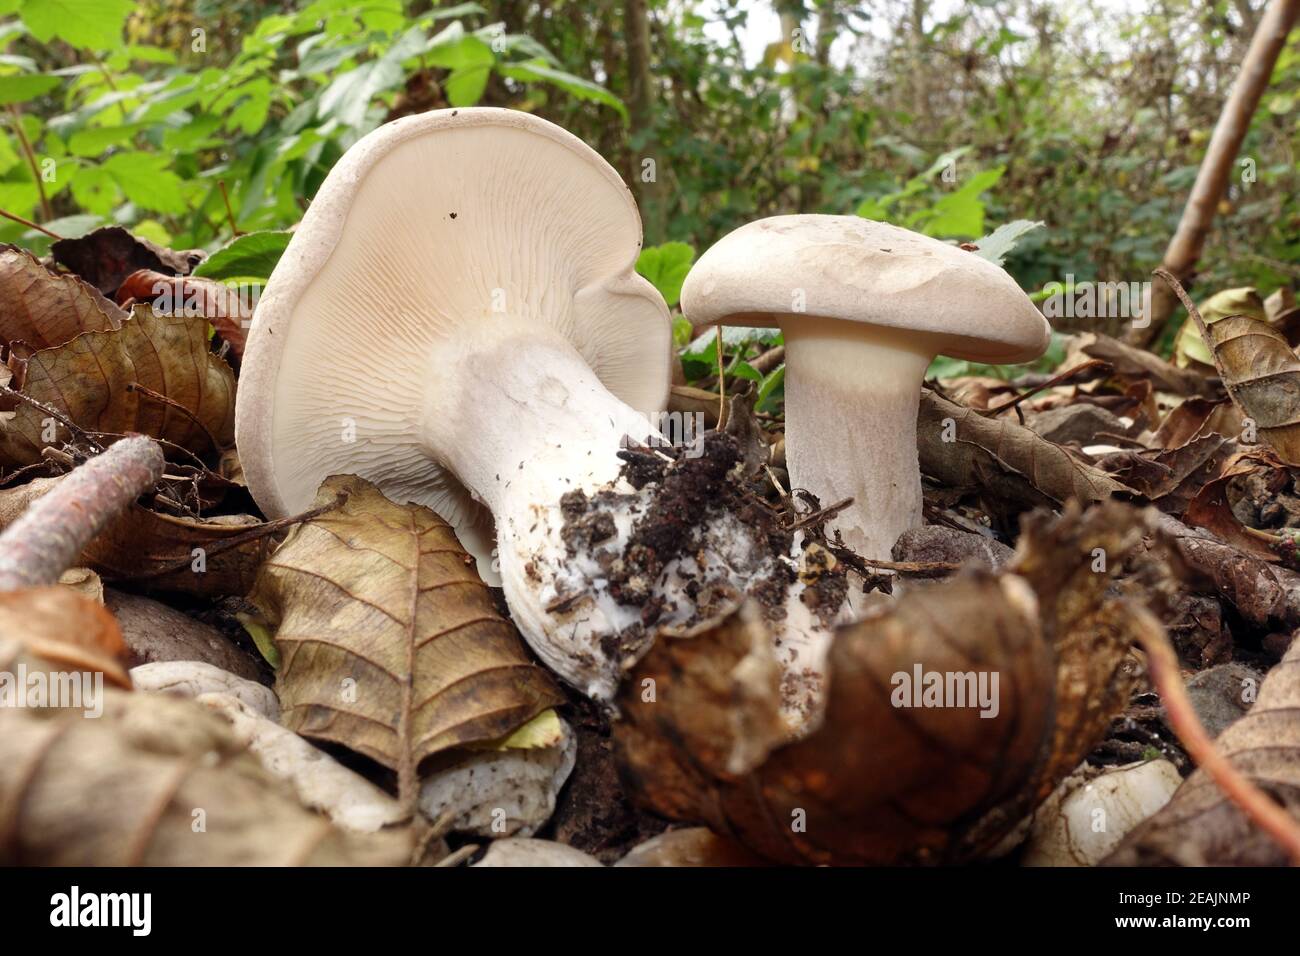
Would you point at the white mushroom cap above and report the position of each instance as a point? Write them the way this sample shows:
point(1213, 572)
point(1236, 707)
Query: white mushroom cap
point(774, 270)
point(434, 230)
point(864, 307)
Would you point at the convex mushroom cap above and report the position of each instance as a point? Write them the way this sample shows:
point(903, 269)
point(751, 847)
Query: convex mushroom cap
point(458, 320)
point(864, 308)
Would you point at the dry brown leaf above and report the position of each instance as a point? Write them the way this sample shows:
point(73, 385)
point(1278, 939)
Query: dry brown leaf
point(1200, 826)
point(1138, 364)
point(1196, 418)
point(165, 552)
point(1262, 375)
point(390, 643)
point(63, 629)
point(878, 783)
point(961, 448)
point(1209, 507)
point(131, 787)
point(106, 256)
point(42, 309)
point(92, 380)
point(219, 304)
point(1171, 477)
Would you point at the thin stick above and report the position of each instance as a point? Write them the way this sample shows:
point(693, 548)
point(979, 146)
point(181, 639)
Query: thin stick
point(261, 531)
point(52, 412)
point(31, 159)
point(230, 213)
point(722, 382)
point(49, 536)
point(29, 224)
point(1252, 801)
point(1050, 383)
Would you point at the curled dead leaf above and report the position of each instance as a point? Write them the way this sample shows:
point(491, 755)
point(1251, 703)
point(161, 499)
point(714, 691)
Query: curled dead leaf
point(214, 557)
point(63, 629)
point(883, 780)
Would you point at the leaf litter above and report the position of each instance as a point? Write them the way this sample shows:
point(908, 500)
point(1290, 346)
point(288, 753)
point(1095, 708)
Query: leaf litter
point(1151, 465)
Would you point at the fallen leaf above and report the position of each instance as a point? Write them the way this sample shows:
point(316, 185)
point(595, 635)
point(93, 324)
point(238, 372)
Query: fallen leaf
point(1201, 826)
point(104, 257)
point(130, 787)
point(880, 782)
point(43, 309)
point(390, 643)
point(1190, 349)
point(63, 629)
point(165, 552)
point(222, 306)
point(93, 381)
point(1133, 363)
point(1262, 376)
point(959, 447)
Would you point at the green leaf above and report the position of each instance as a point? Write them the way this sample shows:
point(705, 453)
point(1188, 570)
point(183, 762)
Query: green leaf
point(147, 181)
point(998, 244)
point(94, 190)
point(93, 141)
point(775, 379)
point(533, 70)
point(249, 257)
point(88, 24)
point(20, 89)
point(465, 86)
point(666, 267)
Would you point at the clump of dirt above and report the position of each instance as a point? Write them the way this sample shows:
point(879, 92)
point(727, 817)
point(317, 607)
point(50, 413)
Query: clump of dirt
point(695, 509)
point(593, 812)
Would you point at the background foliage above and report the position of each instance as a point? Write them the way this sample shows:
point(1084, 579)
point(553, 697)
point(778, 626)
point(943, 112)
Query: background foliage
point(950, 118)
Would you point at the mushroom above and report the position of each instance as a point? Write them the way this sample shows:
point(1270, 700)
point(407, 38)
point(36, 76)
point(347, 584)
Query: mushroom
point(457, 319)
point(864, 307)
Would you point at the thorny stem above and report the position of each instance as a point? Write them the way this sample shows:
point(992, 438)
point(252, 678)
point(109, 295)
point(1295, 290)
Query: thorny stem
point(1252, 801)
point(45, 541)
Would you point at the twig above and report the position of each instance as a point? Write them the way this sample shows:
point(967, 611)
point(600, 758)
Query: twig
point(1052, 382)
point(230, 213)
point(239, 540)
point(1252, 801)
point(46, 210)
point(722, 382)
point(52, 412)
point(29, 224)
point(172, 403)
point(44, 542)
point(822, 514)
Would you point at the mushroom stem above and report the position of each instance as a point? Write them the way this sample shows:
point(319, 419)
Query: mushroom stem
point(530, 423)
point(851, 399)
